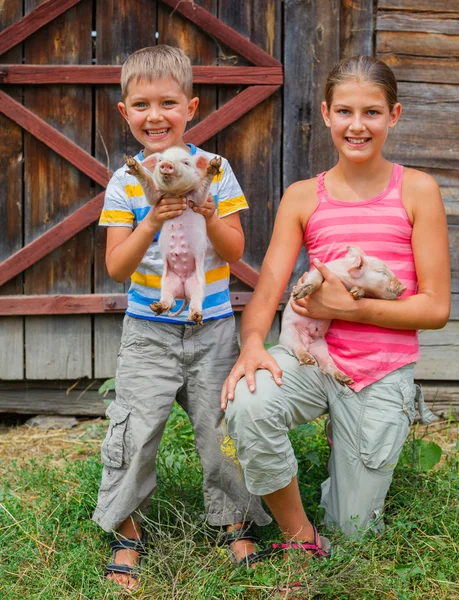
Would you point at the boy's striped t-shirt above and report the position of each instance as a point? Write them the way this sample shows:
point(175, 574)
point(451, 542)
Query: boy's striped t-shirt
point(125, 205)
point(381, 227)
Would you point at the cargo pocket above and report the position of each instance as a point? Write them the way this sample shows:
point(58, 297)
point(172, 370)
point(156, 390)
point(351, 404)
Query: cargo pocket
point(113, 448)
point(385, 424)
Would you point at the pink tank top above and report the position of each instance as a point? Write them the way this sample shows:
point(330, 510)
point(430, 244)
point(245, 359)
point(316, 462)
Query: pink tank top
point(380, 226)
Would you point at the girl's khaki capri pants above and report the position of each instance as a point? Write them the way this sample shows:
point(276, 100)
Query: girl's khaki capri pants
point(369, 430)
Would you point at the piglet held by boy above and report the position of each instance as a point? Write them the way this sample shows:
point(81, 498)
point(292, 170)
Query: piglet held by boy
point(183, 239)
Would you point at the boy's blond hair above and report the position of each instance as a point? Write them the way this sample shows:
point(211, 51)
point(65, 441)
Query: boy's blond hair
point(157, 62)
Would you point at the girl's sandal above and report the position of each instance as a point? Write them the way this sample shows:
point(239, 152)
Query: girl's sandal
point(321, 547)
point(245, 533)
point(127, 544)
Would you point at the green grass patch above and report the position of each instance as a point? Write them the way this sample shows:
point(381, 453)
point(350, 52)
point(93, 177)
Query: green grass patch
point(51, 550)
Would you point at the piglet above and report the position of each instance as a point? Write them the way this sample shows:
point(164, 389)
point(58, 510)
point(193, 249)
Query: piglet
point(363, 276)
point(183, 239)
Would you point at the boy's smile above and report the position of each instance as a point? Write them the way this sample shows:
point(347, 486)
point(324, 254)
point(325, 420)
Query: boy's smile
point(157, 113)
point(359, 118)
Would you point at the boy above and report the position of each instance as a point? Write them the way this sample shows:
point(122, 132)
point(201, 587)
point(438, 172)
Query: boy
point(161, 357)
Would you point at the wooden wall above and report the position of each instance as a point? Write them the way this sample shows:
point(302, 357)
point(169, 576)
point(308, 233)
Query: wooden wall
point(280, 141)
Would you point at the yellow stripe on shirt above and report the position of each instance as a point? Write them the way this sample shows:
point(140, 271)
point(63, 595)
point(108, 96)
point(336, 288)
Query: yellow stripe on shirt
point(154, 281)
point(233, 204)
point(134, 190)
point(116, 216)
point(218, 177)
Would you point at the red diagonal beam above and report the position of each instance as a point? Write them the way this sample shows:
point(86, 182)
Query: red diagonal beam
point(55, 140)
point(46, 12)
point(216, 28)
point(109, 74)
point(228, 113)
point(90, 212)
point(52, 239)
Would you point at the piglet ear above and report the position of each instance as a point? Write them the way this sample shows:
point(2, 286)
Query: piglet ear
point(202, 163)
point(355, 271)
point(354, 251)
point(151, 161)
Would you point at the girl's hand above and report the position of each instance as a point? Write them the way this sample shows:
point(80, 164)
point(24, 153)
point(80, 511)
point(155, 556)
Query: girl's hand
point(207, 210)
point(330, 301)
point(250, 360)
point(167, 208)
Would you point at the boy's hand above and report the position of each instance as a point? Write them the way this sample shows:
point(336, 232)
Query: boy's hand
point(207, 210)
point(167, 208)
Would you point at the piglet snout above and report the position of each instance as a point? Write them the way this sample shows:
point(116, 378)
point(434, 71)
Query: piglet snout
point(166, 168)
point(397, 288)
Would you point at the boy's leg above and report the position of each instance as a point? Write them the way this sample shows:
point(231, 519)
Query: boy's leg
point(369, 430)
point(259, 422)
point(212, 350)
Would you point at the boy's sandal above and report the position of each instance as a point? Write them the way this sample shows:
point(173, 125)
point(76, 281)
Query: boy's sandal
point(126, 544)
point(320, 548)
point(245, 533)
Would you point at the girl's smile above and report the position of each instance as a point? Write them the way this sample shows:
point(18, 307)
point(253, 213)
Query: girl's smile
point(359, 119)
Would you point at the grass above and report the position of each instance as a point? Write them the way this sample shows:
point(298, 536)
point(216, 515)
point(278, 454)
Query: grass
point(51, 550)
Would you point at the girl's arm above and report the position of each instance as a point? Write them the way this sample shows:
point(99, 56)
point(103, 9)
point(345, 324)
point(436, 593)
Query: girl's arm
point(295, 208)
point(430, 307)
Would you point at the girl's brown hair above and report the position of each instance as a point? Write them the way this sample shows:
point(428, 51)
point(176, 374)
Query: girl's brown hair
point(362, 68)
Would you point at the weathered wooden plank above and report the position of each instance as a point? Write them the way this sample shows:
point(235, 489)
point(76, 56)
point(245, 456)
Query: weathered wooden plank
point(104, 74)
point(439, 354)
point(58, 347)
point(20, 30)
point(417, 44)
point(434, 144)
point(356, 28)
point(58, 399)
point(224, 32)
point(51, 239)
point(445, 23)
point(442, 398)
point(420, 5)
point(420, 68)
point(49, 304)
point(54, 139)
point(122, 27)
point(227, 114)
point(246, 142)
point(11, 210)
point(314, 47)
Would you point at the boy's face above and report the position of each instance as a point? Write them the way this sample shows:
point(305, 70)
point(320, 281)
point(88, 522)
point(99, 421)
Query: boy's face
point(157, 113)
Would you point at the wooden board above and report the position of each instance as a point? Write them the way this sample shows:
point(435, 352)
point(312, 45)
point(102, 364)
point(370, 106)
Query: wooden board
point(434, 144)
point(417, 44)
point(439, 353)
point(444, 23)
point(313, 47)
point(122, 28)
point(356, 28)
point(11, 210)
point(420, 5)
point(53, 189)
point(420, 68)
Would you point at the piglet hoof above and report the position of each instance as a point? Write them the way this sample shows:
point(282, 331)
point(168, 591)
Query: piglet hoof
point(195, 316)
point(342, 378)
point(300, 291)
point(132, 164)
point(213, 168)
point(304, 358)
point(158, 308)
point(357, 292)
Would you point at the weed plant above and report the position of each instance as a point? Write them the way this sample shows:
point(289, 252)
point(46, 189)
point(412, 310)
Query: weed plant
point(51, 550)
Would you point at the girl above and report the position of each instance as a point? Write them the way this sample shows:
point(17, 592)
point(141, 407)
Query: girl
point(392, 213)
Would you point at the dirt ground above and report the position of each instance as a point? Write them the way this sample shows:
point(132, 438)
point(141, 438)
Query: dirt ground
point(23, 442)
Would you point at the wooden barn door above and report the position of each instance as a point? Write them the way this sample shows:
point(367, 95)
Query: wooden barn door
point(60, 314)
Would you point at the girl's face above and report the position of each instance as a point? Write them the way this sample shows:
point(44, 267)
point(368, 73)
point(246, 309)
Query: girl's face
point(359, 119)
